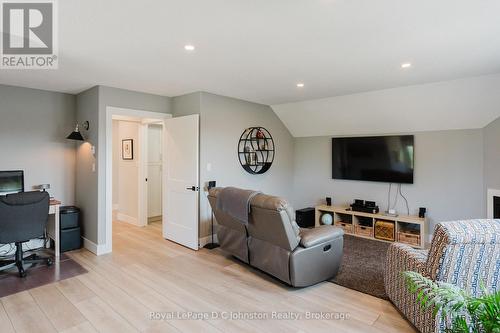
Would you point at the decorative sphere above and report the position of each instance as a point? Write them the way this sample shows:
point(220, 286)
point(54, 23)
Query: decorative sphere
point(327, 219)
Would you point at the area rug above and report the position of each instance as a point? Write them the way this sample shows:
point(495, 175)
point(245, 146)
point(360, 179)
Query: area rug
point(362, 267)
point(39, 275)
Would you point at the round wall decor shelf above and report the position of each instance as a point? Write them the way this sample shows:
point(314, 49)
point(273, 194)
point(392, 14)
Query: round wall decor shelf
point(256, 150)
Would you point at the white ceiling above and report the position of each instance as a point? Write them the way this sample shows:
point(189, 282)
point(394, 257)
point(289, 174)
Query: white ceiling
point(258, 50)
point(458, 104)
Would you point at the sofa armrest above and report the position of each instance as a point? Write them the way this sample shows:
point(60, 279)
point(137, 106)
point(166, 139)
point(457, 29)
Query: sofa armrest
point(318, 235)
point(401, 258)
point(405, 258)
point(316, 263)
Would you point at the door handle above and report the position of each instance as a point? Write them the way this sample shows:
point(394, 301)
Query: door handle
point(192, 188)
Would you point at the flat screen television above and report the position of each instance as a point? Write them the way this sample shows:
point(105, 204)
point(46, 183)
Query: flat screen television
point(375, 158)
point(11, 182)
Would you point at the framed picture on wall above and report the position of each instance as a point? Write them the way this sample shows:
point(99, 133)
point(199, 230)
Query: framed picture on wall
point(128, 149)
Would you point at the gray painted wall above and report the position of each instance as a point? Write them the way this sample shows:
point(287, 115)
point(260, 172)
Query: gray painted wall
point(92, 106)
point(492, 155)
point(186, 104)
point(87, 196)
point(448, 176)
point(453, 168)
point(33, 129)
point(222, 120)
point(121, 98)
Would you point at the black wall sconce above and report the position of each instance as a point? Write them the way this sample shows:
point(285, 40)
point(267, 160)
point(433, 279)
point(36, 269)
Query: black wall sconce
point(76, 134)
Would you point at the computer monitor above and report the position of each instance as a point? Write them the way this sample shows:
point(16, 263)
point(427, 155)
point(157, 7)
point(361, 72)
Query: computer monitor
point(11, 182)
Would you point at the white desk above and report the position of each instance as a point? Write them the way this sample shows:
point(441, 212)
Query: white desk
point(53, 226)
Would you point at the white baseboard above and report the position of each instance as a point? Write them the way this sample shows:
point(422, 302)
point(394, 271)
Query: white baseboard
point(95, 248)
point(205, 240)
point(127, 218)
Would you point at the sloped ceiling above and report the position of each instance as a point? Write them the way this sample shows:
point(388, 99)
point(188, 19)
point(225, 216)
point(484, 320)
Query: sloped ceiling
point(459, 104)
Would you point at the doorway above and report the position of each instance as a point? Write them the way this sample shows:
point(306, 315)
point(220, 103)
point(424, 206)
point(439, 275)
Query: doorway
point(154, 170)
point(176, 165)
point(137, 170)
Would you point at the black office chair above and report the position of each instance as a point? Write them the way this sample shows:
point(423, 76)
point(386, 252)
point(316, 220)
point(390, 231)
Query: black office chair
point(23, 216)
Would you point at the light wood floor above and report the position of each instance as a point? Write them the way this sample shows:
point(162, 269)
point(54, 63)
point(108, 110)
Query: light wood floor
point(146, 273)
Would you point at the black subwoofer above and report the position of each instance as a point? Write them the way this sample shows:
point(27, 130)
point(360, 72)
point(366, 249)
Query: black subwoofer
point(305, 217)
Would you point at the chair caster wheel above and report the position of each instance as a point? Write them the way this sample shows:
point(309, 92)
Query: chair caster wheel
point(22, 273)
point(49, 262)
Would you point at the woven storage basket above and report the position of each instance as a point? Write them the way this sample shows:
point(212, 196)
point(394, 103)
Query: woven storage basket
point(363, 231)
point(384, 230)
point(409, 238)
point(348, 227)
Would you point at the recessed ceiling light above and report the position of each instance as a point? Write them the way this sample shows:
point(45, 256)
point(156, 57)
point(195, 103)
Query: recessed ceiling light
point(406, 65)
point(300, 85)
point(189, 47)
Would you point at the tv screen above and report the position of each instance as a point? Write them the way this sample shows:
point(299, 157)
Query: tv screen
point(378, 158)
point(11, 182)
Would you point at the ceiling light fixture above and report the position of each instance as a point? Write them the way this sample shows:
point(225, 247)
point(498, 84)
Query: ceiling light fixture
point(189, 47)
point(406, 65)
point(300, 85)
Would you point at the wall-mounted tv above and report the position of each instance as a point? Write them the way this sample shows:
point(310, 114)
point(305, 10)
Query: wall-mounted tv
point(375, 158)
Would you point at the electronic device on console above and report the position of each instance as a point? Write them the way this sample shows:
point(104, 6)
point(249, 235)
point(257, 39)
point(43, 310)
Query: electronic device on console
point(365, 206)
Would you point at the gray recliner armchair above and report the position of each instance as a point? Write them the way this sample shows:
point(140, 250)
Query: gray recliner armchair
point(231, 233)
point(273, 242)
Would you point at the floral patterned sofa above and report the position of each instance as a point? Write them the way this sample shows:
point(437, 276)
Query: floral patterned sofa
point(464, 253)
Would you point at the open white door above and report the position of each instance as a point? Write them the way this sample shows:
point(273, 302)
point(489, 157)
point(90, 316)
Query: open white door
point(181, 183)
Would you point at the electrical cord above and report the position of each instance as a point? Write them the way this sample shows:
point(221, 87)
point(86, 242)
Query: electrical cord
point(398, 191)
point(406, 201)
point(4, 254)
point(389, 197)
point(396, 200)
point(28, 249)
